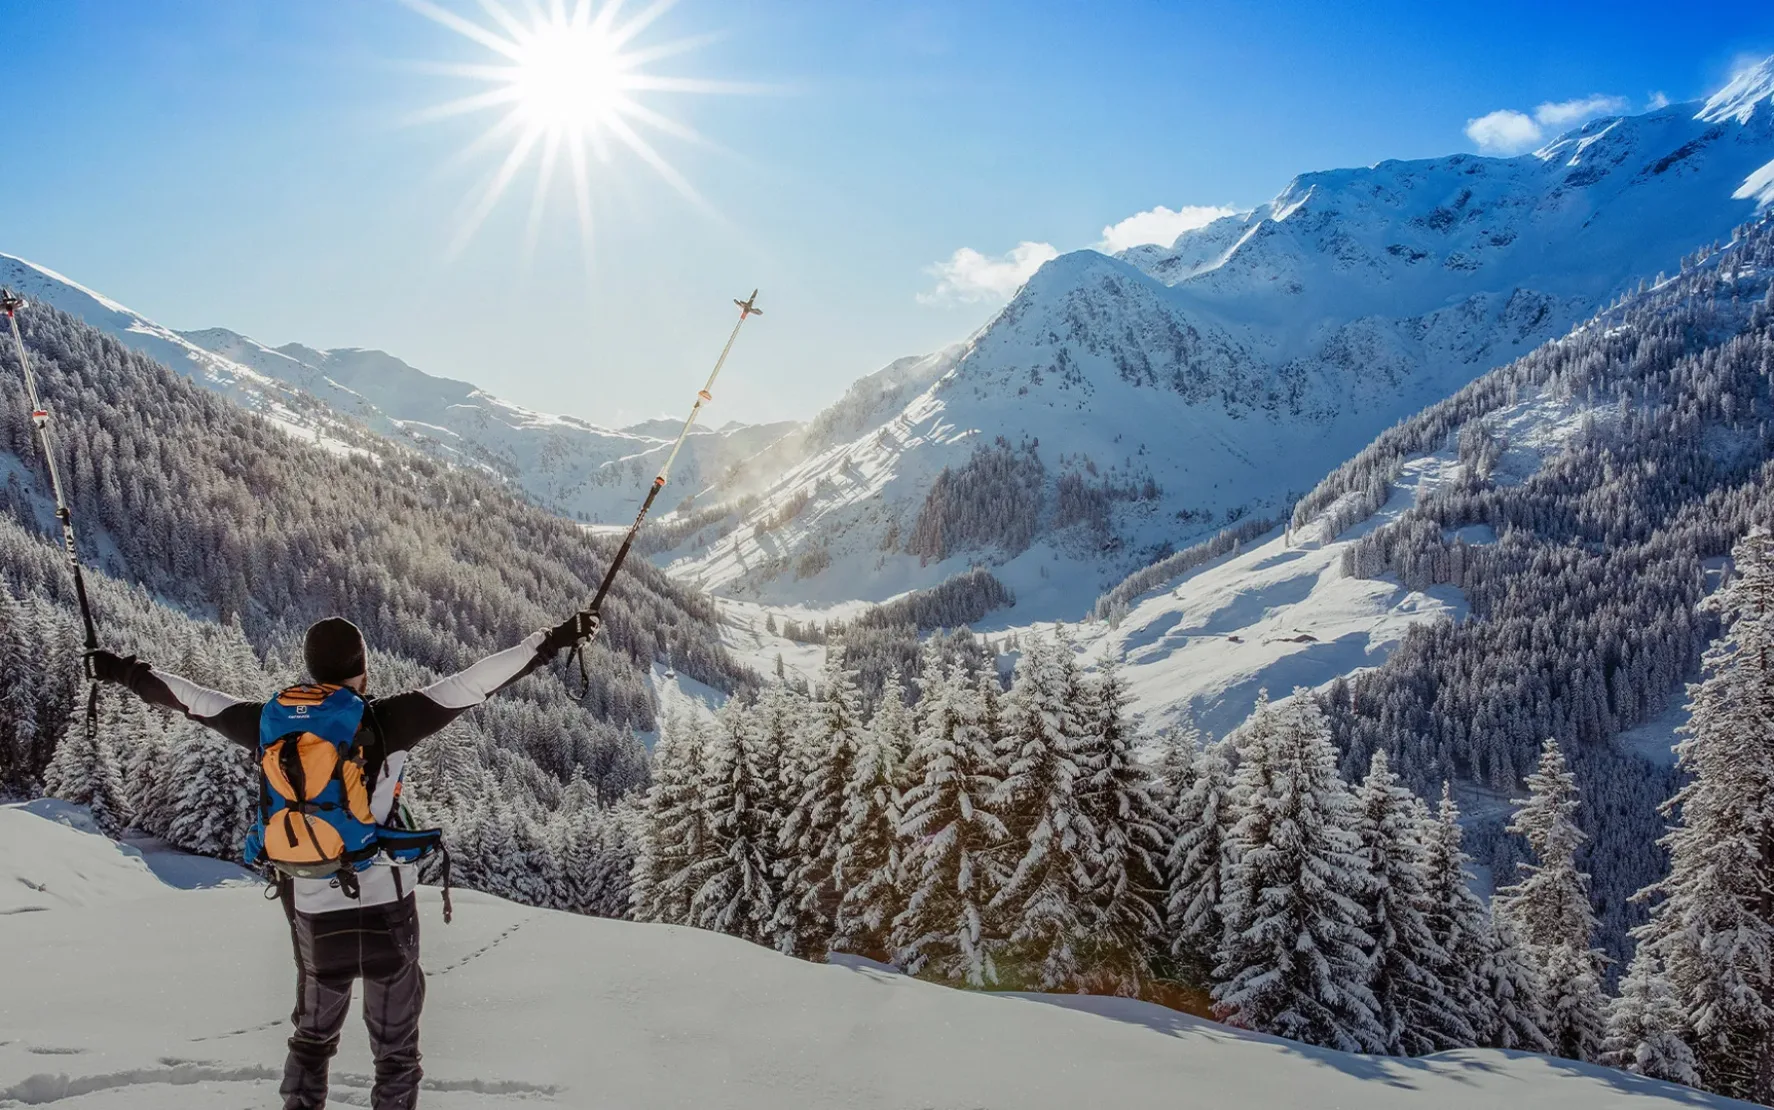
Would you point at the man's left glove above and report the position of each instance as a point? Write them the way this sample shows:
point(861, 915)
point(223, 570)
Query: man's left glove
point(107, 666)
point(580, 626)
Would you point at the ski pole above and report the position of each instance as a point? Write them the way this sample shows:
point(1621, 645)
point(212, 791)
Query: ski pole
point(10, 303)
point(748, 307)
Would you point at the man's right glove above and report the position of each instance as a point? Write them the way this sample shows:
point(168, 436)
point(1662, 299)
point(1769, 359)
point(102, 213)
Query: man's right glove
point(580, 626)
point(107, 666)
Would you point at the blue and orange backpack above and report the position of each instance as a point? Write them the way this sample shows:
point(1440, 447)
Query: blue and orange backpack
point(315, 782)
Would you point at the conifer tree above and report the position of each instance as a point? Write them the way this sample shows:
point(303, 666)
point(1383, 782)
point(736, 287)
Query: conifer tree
point(952, 858)
point(148, 777)
point(896, 725)
point(736, 894)
point(674, 828)
point(866, 866)
point(1457, 921)
point(1550, 907)
point(1294, 960)
point(578, 852)
point(84, 768)
point(216, 792)
point(779, 720)
point(1646, 1025)
point(1119, 798)
point(18, 718)
point(1712, 933)
point(1202, 815)
point(1515, 989)
point(809, 844)
point(1415, 1012)
point(1046, 898)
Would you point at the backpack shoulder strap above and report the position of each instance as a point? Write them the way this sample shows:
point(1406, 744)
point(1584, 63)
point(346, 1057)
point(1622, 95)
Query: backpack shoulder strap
point(375, 745)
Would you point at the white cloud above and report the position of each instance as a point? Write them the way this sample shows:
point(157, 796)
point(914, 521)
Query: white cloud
point(1658, 100)
point(971, 276)
point(1507, 131)
point(1566, 113)
point(1159, 225)
point(1503, 132)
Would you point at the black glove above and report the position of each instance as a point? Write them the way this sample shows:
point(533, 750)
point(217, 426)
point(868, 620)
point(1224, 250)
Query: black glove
point(580, 626)
point(107, 666)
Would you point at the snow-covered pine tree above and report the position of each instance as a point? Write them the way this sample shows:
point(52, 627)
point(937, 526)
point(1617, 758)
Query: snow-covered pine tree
point(216, 790)
point(18, 718)
point(84, 768)
point(1415, 1012)
point(1456, 920)
point(809, 840)
point(148, 777)
point(531, 862)
point(1045, 901)
point(608, 894)
point(737, 893)
point(866, 866)
point(1202, 815)
point(466, 833)
point(674, 829)
point(1646, 1025)
point(1294, 961)
point(1713, 930)
point(1576, 1005)
point(1515, 990)
point(896, 725)
point(1550, 908)
point(779, 720)
point(952, 864)
point(576, 851)
point(1120, 800)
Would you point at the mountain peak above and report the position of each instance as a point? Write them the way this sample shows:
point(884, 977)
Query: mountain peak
point(1747, 91)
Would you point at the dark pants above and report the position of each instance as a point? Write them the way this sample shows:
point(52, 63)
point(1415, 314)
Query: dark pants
point(379, 944)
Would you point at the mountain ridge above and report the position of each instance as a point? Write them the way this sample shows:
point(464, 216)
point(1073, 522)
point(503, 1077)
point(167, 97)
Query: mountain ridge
point(573, 467)
point(1185, 388)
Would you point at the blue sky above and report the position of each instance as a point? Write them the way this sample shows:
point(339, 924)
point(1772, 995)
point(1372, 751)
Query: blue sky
point(249, 164)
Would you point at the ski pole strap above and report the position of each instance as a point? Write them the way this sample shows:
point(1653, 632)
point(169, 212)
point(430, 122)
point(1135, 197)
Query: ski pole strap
point(449, 910)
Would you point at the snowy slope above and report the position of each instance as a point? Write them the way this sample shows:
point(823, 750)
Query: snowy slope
point(180, 1000)
point(287, 407)
point(1240, 364)
point(1280, 613)
point(570, 466)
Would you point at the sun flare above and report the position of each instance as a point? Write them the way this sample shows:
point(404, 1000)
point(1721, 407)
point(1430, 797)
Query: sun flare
point(566, 81)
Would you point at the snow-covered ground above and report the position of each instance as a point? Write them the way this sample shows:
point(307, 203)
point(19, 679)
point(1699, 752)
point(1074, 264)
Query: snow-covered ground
point(155, 999)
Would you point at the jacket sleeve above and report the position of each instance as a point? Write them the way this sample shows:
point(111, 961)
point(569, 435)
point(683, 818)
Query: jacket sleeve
point(232, 717)
point(405, 719)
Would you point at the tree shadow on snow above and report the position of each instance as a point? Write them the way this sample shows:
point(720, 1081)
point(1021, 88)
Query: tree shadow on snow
point(1395, 1071)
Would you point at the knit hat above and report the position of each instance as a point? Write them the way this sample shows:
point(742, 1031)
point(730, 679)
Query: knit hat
point(334, 650)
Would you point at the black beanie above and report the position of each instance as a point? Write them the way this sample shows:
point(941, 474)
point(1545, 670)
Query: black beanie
point(334, 650)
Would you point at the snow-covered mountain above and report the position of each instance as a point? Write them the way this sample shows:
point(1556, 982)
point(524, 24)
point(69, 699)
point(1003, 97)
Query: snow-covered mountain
point(1137, 403)
point(573, 467)
point(123, 990)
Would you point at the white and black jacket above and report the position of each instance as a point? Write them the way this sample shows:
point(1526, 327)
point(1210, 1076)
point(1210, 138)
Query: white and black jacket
point(397, 722)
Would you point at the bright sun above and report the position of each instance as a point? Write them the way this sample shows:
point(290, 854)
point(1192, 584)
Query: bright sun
point(569, 78)
point(567, 82)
